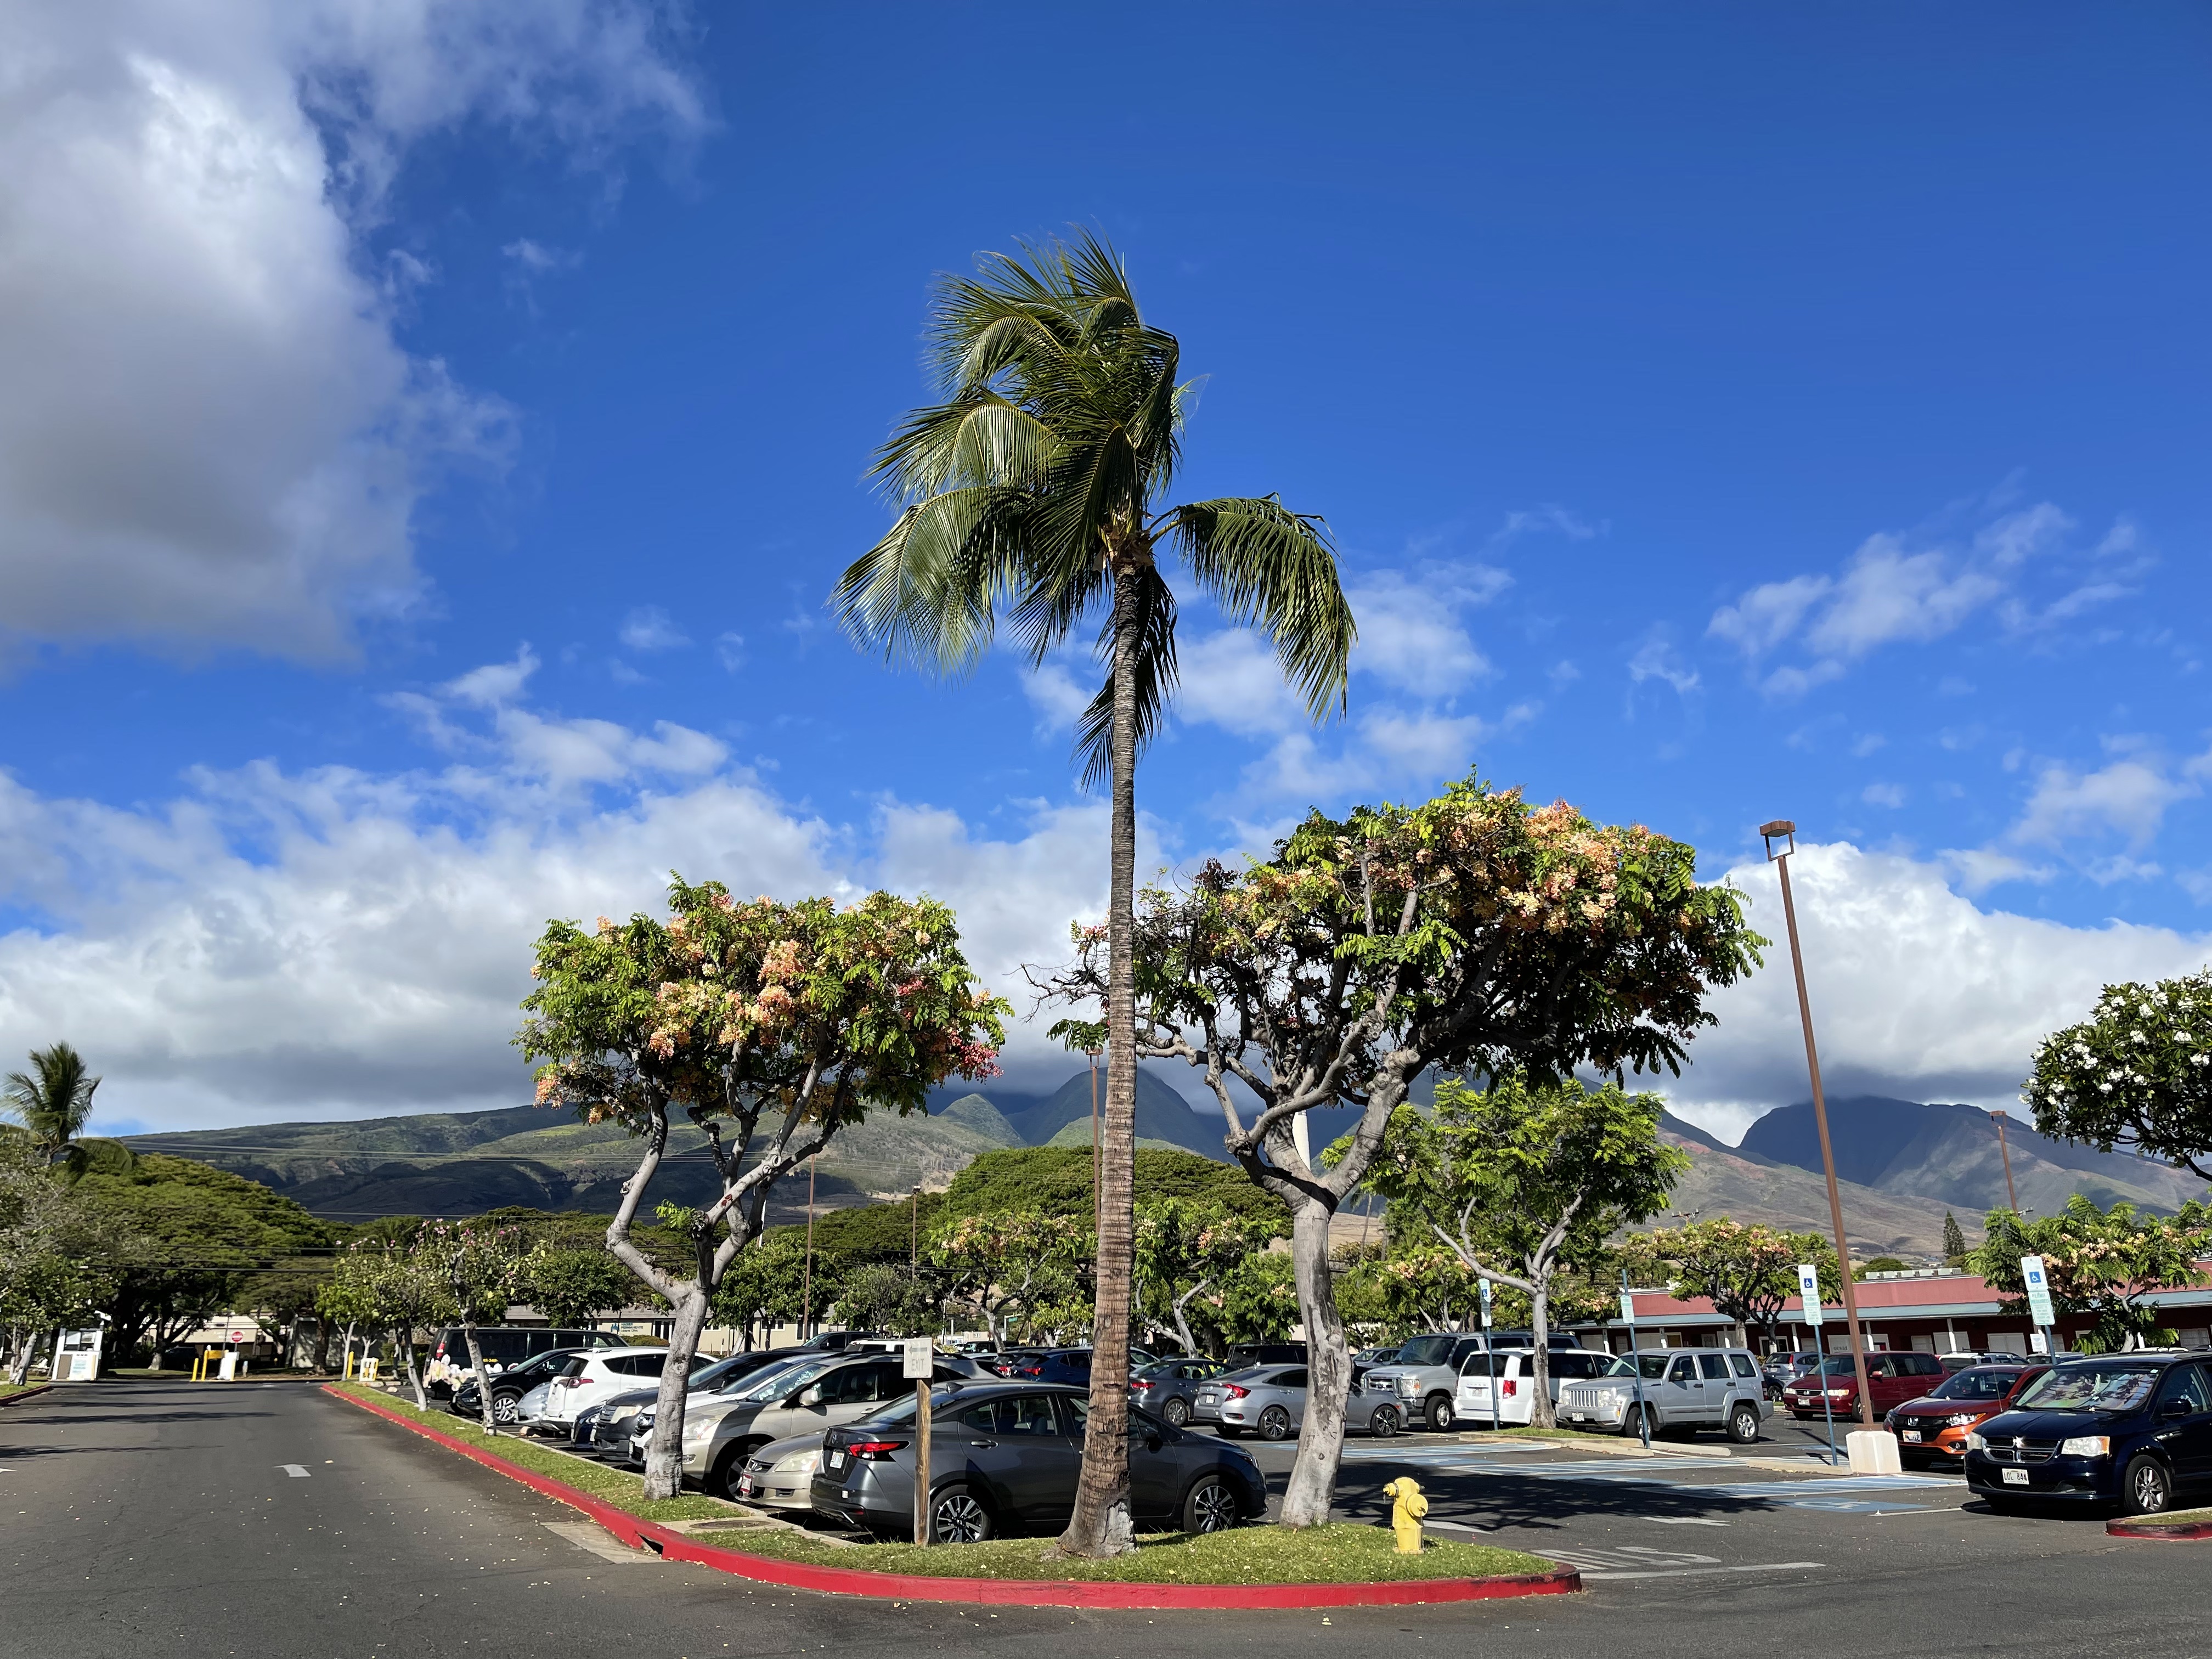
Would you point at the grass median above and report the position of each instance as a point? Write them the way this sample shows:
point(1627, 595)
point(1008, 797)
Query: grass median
point(2174, 1518)
point(1342, 1552)
point(625, 1491)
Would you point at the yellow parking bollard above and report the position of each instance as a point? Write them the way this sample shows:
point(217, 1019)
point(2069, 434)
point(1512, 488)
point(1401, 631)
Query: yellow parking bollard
point(1405, 1512)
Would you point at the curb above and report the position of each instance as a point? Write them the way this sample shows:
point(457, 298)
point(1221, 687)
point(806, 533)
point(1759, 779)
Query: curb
point(28, 1393)
point(2171, 1534)
point(1606, 1447)
point(673, 1546)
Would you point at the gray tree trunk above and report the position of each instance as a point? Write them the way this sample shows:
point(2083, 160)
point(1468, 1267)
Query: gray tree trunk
point(1540, 1414)
point(483, 1383)
point(1312, 1485)
point(663, 1448)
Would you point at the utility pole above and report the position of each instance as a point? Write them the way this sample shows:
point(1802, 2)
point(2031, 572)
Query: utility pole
point(913, 1247)
point(1785, 830)
point(2011, 1197)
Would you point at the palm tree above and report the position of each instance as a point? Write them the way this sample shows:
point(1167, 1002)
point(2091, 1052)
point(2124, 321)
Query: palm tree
point(53, 1101)
point(1032, 490)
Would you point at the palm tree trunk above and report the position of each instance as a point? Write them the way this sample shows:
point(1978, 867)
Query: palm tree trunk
point(1101, 1525)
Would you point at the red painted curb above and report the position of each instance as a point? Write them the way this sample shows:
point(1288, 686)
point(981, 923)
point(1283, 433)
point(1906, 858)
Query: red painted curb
point(674, 1546)
point(2173, 1534)
point(28, 1393)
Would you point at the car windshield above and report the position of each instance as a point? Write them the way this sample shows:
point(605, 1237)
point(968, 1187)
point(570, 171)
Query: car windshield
point(786, 1378)
point(1654, 1364)
point(722, 1370)
point(2115, 1386)
point(1427, 1350)
point(1976, 1382)
point(1838, 1364)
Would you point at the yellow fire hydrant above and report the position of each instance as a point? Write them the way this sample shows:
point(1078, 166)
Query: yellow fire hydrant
point(1406, 1508)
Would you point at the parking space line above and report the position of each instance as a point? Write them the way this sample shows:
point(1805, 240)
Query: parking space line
point(1700, 1572)
point(297, 1471)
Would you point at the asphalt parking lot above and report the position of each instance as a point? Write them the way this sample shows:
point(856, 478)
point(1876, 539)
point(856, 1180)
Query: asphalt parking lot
point(272, 1519)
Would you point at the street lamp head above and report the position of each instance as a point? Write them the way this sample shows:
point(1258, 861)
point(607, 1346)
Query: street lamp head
point(1779, 829)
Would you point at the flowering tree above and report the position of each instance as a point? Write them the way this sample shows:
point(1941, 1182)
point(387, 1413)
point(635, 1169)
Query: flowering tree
point(769, 1026)
point(52, 1244)
point(1016, 1267)
point(1536, 1175)
point(1746, 1270)
point(392, 1288)
point(1473, 933)
point(1186, 1247)
point(570, 1286)
point(482, 1267)
point(2100, 1262)
point(2138, 1073)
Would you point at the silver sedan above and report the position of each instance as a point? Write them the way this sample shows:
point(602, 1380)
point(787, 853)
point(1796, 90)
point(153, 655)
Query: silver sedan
point(1270, 1401)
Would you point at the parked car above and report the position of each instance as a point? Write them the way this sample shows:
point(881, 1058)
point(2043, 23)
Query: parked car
point(583, 1380)
point(1784, 1368)
point(2128, 1430)
point(781, 1475)
point(722, 1432)
point(509, 1386)
point(1270, 1401)
point(1681, 1391)
point(1166, 1389)
point(1006, 1457)
point(1960, 1361)
point(1933, 1428)
point(1363, 1358)
point(1423, 1381)
point(613, 1422)
point(501, 1345)
point(1070, 1367)
point(1243, 1354)
point(1892, 1378)
point(1512, 1371)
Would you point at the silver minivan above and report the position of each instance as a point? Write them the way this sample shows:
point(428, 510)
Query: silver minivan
point(1681, 1389)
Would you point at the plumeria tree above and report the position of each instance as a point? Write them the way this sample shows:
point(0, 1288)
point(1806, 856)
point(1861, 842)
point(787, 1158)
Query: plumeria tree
point(1746, 1270)
point(1522, 1180)
point(571, 1287)
point(2137, 1073)
point(482, 1267)
point(1470, 932)
point(388, 1286)
point(2100, 1262)
point(769, 1026)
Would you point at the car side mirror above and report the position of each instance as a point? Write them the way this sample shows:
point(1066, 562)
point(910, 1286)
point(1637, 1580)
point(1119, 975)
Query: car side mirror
point(808, 1396)
point(2177, 1406)
point(1152, 1442)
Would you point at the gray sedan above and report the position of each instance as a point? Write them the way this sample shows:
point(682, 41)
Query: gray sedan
point(1271, 1402)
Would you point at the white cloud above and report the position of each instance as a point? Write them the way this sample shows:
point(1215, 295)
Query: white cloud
point(1550, 520)
point(1656, 658)
point(333, 942)
point(1411, 636)
point(2129, 798)
point(1916, 993)
point(1883, 794)
point(649, 628)
point(210, 435)
point(730, 650)
point(1895, 589)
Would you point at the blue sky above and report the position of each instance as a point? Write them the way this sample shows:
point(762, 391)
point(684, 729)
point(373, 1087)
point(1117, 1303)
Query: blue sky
point(432, 459)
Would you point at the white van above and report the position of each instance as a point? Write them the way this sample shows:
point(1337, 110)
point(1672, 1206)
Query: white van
point(1512, 1371)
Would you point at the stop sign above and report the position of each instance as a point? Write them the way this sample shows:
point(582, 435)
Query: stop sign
point(238, 1336)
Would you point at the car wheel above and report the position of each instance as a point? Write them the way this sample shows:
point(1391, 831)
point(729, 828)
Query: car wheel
point(1275, 1423)
point(956, 1515)
point(1210, 1506)
point(729, 1470)
point(1177, 1412)
point(1633, 1424)
point(505, 1407)
point(1384, 1423)
point(2147, 1488)
point(1743, 1424)
point(1440, 1415)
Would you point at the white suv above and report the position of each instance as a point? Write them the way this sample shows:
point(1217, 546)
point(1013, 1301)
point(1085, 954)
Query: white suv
point(1512, 1371)
point(586, 1379)
point(1688, 1388)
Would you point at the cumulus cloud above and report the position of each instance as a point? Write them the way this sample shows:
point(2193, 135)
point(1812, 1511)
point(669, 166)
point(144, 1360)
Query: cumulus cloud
point(649, 627)
point(1917, 992)
point(1411, 634)
point(1915, 588)
point(210, 435)
point(331, 942)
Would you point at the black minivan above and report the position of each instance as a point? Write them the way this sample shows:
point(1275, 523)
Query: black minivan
point(2131, 1429)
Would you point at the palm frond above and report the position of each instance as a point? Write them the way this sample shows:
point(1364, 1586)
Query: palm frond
point(1269, 568)
point(931, 589)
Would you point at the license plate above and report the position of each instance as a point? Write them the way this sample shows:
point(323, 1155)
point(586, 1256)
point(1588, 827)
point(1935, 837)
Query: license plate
point(2015, 1477)
point(745, 1485)
point(1209, 1400)
point(1912, 1435)
point(1576, 1417)
point(836, 1460)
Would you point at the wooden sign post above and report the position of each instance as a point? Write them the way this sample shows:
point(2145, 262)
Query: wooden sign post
point(920, 1355)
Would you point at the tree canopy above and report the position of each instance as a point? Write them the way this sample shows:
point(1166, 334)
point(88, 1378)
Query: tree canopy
point(2136, 1073)
point(2100, 1262)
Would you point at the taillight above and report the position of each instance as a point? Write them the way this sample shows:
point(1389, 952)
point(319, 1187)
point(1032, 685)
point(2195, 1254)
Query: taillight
point(1231, 1391)
point(567, 1382)
point(875, 1451)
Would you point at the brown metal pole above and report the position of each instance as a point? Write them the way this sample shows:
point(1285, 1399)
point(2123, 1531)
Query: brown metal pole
point(1827, 1154)
point(2010, 1193)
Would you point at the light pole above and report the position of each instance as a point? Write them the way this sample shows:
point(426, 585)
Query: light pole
point(914, 1247)
point(1784, 829)
point(2011, 1197)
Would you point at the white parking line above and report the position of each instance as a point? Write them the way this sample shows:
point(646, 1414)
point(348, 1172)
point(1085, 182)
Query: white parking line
point(297, 1471)
point(590, 1535)
point(1700, 1572)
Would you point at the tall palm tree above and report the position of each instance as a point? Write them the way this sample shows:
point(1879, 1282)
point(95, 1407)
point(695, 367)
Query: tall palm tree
point(53, 1101)
point(1032, 490)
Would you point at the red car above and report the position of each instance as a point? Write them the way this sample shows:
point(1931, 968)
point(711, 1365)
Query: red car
point(1933, 1429)
point(1894, 1379)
